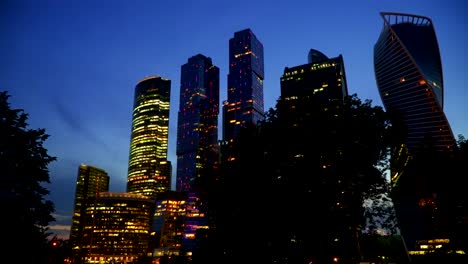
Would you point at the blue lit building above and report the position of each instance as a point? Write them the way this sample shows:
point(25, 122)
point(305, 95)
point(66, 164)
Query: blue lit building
point(197, 140)
point(244, 104)
point(197, 127)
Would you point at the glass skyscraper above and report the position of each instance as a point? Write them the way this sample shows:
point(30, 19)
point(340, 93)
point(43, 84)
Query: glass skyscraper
point(149, 172)
point(197, 138)
point(244, 105)
point(408, 72)
point(197, 128)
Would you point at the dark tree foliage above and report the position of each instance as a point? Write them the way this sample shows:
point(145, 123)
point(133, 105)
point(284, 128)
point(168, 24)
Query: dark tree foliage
point(58, 251)
point(23, 163)
point(375, 246)
point(294, 192)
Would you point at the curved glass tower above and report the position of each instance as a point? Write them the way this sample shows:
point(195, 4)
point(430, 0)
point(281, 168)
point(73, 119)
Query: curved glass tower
point(149, 171)
point(409, 77)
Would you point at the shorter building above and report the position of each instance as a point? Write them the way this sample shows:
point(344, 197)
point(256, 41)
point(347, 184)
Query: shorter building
point(196, 219)
point(322, 78)
point(168, 224)
point(117, 228)
point(438, 250)
point(90, 181)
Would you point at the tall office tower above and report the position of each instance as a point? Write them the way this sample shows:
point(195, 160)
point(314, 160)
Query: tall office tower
point(409, 77)
point(323, 79)
point(90, 181)
point(117, 228)
point(408, 72)
point(306, 91)
point(168, 223)
point(148, 171)
point(197, 128)
point(244, 105)
point(197, 137)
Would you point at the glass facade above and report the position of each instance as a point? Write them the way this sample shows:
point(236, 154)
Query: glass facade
point(244, 105)
point(148, 168)
point(408, 73)
point(409, 77)
point(197, 127)
point(168, 223)
point(117, 228)
point(90, 181)
point(197, 138)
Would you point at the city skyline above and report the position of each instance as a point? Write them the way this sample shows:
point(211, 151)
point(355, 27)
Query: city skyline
point(72, 66)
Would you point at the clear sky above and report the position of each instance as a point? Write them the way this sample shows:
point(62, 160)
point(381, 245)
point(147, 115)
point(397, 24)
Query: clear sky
point(72, 65)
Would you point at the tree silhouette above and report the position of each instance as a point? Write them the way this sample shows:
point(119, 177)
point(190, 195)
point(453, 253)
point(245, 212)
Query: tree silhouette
point(294, 192)
point(23, 163)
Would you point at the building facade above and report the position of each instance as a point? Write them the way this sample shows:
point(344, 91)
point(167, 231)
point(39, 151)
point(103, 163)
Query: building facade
point(168, 224)
point(244, 105)
point(197, 123)
point(308, 94)
point(149, 171)
point(197, 138)
point(408, 72)
point(90, 181)
point(322, 79)
point(118, 228)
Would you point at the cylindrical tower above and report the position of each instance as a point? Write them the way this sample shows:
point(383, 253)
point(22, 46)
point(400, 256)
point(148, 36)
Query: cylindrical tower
point(148, 168)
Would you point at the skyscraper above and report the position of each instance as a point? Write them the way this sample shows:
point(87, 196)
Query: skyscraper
point(148, 167)
point(408, 72)
point(197, 128)
point(197, 138)
point(306, 91)
point(321, 78)
point(90, 181)
point(244, 105)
